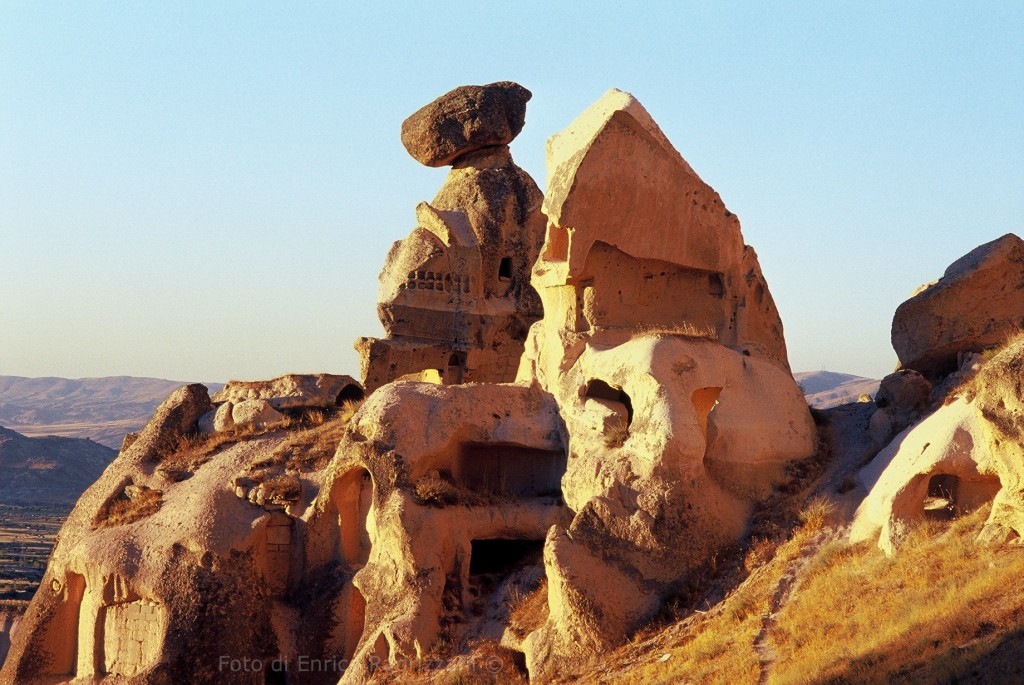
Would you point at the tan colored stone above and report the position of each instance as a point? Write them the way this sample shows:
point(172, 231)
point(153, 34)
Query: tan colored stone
point(455, 298)
point(967, 453)
point(651, 302)
point(426, 472)
point(976, 305)
point(907, 475)
point(294, 391)
point(256, 413)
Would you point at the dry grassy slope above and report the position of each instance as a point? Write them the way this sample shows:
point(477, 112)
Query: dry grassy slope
point(102, 409)
point(48, 470)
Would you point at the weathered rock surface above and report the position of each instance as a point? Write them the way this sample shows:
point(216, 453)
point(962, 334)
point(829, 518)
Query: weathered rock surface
point(163, 595)
point(977, 304)
point(426, 474)
point(653, 407)
point(465, 119)
point(653, 302)
point(902, 398)
point(294, 391)
point(455, 297)
point(938, 468)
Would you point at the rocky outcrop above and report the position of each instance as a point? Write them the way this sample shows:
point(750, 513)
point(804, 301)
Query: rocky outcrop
point(968, 452)
point(451, 484)
point(455, 297)
point(664, 351)
point(977, 305)
point(157, 595)
point(652, 408)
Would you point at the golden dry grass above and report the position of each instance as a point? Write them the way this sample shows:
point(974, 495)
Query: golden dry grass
point(862, 617)
point(128, 508)
point(530, 612)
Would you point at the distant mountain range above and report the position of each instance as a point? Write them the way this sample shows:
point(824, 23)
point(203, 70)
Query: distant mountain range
point(101, 409)
point(49, 470)
point(824, 389)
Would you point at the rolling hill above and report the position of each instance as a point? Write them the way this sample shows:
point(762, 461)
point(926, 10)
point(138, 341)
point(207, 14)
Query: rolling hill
point(825, 389)
point(50, 470)
point(101, 409)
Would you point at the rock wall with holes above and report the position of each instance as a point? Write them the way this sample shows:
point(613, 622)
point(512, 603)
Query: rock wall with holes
point(965, 454)
point(455, 295)
point(425, 471)
point(664, 351)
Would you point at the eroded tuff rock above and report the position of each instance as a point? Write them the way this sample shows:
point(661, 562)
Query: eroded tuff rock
point(977, 305)
point(654, 311)
point(968, 451)
point(966, 454)
point(455, 297)
point(652, 408)
point(426, 474)
point(465, 119)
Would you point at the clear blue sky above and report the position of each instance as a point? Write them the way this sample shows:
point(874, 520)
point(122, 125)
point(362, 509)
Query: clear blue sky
point(207, 190)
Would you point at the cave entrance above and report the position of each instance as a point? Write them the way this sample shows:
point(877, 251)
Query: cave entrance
point(940, 504)
point(350, 393)
point(496, 567)
point(601, 390)
point(502, 556)
point(510, 470)
point(949, 496)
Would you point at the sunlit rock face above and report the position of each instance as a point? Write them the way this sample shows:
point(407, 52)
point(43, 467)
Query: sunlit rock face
point(977, 305)
point(652, 408)
point(664, 351)
point(455, 297)
point(966, 454)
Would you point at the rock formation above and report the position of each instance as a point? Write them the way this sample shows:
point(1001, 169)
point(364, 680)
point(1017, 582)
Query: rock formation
point(968, 452)
point(977, 305)
point(663, 348)
point(652, 408)
point(455, 297)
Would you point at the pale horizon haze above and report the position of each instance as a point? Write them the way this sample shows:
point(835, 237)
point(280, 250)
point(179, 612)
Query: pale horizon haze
point(207, 191)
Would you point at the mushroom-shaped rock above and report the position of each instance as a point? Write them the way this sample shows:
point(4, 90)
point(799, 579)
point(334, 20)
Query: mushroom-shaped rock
point(465, 119)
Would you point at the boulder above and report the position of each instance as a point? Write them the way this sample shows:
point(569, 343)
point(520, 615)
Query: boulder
point(255, 413)
point(294, 391)
point(905, 390)
point(977, 305)
point(465, 119)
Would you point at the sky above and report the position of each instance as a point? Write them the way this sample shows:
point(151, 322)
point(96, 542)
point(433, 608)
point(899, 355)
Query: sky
point(205, 191)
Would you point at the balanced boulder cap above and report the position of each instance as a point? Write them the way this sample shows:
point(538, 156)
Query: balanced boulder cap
point(465, 119)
